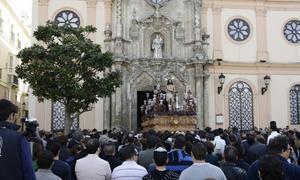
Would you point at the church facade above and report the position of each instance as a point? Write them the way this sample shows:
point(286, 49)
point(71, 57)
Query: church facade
point(239, 58)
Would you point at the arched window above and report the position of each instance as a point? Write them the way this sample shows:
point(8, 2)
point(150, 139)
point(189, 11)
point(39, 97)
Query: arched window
point(295, 104)
point(58, 117)
point(240, 106)
point(69, 18)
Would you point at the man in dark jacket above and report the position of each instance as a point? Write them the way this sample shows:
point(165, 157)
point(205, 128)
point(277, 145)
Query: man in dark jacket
point(59, 168)
point(280, 148)
point(15, 157)
point(256, 149)
point(229, 168)
point(109, 151)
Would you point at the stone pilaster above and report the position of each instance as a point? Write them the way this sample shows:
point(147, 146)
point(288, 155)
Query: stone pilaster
point(218, 50)
point(91, 16)
point(43, 11)
point(261, 35)
point(108, 15)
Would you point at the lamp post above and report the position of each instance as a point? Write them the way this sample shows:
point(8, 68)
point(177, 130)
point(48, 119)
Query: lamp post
point(267, 80)
point(23, 117)
point(221, 81)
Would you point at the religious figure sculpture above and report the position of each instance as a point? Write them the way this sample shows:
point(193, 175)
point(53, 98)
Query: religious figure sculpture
point(170, 92)
point(157, 44)
point(134, 30)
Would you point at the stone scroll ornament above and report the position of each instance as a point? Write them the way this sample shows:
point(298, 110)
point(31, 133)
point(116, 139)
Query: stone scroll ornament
point(158, 3)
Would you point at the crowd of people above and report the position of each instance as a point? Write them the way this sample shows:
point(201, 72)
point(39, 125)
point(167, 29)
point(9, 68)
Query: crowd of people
point(219, 154)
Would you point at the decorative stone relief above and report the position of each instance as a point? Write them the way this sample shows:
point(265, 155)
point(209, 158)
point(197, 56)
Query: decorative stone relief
point(182, 47)
point(134, 30)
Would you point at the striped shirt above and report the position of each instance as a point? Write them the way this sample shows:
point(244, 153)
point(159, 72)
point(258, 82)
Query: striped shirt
point(129, 170)
point(161, 175)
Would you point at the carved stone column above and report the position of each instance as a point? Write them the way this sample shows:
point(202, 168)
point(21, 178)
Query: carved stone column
point(119, 47)
point(204, 17)
point(197, 19)
point(108, 24)
point(91, 16)
point(119, 18)
point(261, 28)
point(198, 51)
point(43, 11)
point(199, 74)
point(218, 50)
point(205, 96)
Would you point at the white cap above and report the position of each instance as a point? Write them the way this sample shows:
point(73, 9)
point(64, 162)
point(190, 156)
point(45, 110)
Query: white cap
point(160, 149)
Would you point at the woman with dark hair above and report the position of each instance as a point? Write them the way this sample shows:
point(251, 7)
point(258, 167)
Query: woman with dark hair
point(270, 168)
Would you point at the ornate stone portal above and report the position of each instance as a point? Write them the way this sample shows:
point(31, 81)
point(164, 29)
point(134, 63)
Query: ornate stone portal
point(152, 41)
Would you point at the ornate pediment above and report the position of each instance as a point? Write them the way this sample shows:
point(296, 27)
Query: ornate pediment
point(157, 68)
point(156, 21)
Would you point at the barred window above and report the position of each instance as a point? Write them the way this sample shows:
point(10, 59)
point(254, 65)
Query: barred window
point(295, 104)
point(240, 106)
point(58, 117)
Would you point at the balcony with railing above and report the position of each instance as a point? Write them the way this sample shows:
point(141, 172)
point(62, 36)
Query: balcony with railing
point(13, 79)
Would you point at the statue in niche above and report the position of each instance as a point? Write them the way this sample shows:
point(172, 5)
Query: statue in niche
point(179, 32)
point(157, 45)
point(134, 30)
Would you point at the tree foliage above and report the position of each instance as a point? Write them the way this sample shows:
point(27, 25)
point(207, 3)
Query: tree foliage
point(66, 66)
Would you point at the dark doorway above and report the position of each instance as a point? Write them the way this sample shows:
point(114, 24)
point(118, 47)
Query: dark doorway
point(141, 97)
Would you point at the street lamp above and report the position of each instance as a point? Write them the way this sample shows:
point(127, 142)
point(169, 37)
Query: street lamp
point(221, 81)
point(267, 80)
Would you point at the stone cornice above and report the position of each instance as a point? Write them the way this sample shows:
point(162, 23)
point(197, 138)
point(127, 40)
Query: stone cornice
point(91, 3)
point(256, 68)
point(43, 2)
point(283, 5)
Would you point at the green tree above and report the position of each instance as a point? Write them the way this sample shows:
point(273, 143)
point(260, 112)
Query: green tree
point(66, 66)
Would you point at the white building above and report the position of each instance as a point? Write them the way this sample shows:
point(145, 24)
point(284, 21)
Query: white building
point(249, 40)
point(14, 35)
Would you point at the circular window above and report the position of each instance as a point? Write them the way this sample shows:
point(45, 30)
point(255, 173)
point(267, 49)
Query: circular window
point(291, 31)
point(68, 18)
point(238, 29)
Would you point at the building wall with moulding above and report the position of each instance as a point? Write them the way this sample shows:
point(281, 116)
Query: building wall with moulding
point(14, 35)
point(43, 111)
point(281, 50)
point(240, 59)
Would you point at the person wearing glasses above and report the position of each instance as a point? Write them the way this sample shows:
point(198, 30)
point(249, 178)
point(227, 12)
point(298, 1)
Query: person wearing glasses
point(280, 149)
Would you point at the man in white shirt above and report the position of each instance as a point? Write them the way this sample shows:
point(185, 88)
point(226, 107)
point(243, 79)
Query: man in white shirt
point(274, 132)
point(201, 169)
point(219, 143)
point(91, 166)
point(129, 169)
